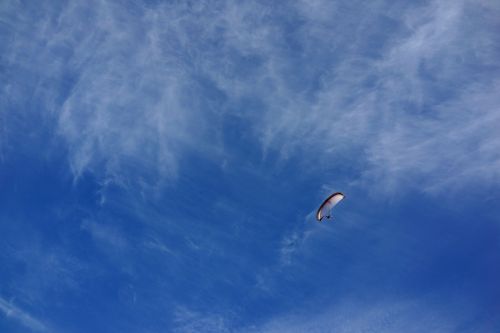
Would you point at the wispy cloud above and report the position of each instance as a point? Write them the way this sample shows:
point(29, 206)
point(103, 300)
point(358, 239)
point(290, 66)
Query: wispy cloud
point(397, 105)
point(141, 86)
point(188, 321)
point(122, 84)
point(131, 110)
point(353, 314)
point(106, 235)
point(22, 317)
point(155, 244)
point(410, 315)
point(296, 241)
point(456, 147)
point(49, 271)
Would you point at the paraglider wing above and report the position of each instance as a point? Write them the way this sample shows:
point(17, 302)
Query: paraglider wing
point(325, 209)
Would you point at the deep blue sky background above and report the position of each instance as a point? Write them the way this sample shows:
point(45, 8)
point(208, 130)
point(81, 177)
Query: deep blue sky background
point(161, 163)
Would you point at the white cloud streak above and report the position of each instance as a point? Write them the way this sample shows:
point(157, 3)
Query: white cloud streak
point(106, 235)
point(411, 315)
point(353, 315)
point(297, 241)
point(22, 317)
point(189, 321)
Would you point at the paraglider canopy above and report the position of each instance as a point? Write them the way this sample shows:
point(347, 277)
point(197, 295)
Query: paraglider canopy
point(325, 210)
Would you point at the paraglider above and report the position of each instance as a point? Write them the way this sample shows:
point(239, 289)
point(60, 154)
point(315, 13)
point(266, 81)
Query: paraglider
point(325, 210)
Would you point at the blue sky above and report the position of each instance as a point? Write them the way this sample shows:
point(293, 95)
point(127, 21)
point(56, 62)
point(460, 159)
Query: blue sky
point(161, 163)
